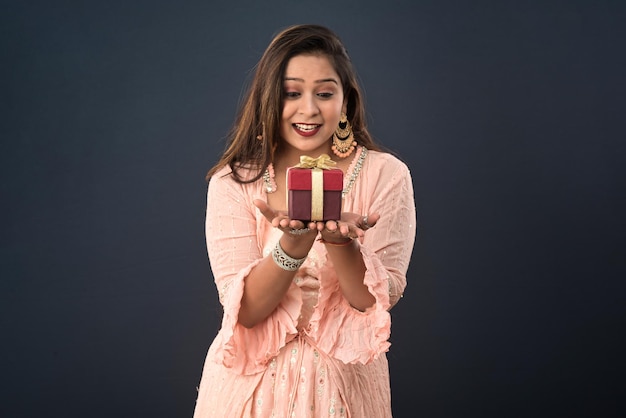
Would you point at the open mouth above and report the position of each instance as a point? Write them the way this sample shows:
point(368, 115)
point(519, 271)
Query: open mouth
point(306, 129)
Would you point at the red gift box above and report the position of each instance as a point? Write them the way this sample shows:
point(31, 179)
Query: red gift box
point(314, 194)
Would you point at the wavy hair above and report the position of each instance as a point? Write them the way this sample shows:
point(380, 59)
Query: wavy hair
point(261, 110)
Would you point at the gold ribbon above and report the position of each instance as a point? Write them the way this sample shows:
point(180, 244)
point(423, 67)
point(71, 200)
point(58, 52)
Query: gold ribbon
point(323, 161)
point(317, 194)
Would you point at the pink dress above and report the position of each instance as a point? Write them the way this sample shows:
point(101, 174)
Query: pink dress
point(315, 355)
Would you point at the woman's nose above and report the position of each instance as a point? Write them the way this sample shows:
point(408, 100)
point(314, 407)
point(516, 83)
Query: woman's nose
point(308, 106)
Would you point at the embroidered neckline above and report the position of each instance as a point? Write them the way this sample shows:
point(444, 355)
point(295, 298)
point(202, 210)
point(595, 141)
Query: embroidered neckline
point(354, 170)
point(269, 183)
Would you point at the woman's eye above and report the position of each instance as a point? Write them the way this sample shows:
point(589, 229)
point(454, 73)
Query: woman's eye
point(325, 95)
point(291, 94)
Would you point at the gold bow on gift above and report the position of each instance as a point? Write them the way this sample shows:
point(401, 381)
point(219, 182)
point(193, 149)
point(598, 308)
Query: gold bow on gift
point(323, 161)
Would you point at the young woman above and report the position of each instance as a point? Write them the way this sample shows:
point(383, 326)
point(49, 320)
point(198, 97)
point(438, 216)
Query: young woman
point(306, 306)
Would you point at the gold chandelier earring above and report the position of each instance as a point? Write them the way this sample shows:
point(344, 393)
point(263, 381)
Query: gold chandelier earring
point(343, 138)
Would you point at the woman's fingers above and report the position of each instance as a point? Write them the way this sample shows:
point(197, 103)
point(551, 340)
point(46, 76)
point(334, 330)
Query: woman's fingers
point(265, 209)
point(280, 219)
point(369, 221)
point(331, 226)
point(271, 215)
point(352, 225)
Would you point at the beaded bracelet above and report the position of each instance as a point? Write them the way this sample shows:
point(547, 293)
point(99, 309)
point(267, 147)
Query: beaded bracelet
point(284, 261)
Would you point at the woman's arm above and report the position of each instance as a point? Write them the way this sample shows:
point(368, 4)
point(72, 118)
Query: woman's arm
point(267, 282)
point(391, 240)
point(231, 228)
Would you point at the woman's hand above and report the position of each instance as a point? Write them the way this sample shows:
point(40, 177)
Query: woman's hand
point(350, 226)
point(280, 220)
point(297, 238)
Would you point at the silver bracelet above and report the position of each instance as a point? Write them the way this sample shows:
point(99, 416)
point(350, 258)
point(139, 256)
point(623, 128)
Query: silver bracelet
point(299, 231)
point(284, 261)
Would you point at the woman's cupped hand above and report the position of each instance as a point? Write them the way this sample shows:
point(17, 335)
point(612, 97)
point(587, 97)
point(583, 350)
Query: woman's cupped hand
point(351, 225)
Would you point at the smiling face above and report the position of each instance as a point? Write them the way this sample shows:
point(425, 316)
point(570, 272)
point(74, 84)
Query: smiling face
point(312, 105)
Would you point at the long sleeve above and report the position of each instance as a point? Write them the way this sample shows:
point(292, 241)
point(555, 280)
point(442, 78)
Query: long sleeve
point(232, 234)
point(391, 240)
point(343, 332)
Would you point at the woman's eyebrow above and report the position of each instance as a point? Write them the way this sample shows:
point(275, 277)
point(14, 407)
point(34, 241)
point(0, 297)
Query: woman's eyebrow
point(324, 80)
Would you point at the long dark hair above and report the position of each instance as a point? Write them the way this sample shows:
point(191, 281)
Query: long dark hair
point(260, 113)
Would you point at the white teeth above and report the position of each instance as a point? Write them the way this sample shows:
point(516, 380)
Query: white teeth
point(305, 127)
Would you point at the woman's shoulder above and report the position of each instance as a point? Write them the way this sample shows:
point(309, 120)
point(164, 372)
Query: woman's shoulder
point(225, 174)
point(385, 161)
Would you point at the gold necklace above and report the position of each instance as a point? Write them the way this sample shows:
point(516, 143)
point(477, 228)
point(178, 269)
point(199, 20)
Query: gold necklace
point(269, 182)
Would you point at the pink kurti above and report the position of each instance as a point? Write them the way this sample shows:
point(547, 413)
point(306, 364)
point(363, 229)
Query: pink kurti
point(315, 355)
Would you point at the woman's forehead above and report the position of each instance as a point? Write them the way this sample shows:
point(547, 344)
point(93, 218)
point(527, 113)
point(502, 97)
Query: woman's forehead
point(311, 68)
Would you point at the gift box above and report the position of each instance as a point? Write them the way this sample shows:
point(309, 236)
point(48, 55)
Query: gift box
point(314, 194)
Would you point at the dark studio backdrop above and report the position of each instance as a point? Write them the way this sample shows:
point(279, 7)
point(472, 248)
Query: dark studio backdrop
point(510, 115)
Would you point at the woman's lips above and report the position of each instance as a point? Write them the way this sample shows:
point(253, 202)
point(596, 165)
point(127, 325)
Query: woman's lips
point(304, 129)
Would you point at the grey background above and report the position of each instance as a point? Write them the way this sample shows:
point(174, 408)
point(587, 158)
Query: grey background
point(510, 115)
